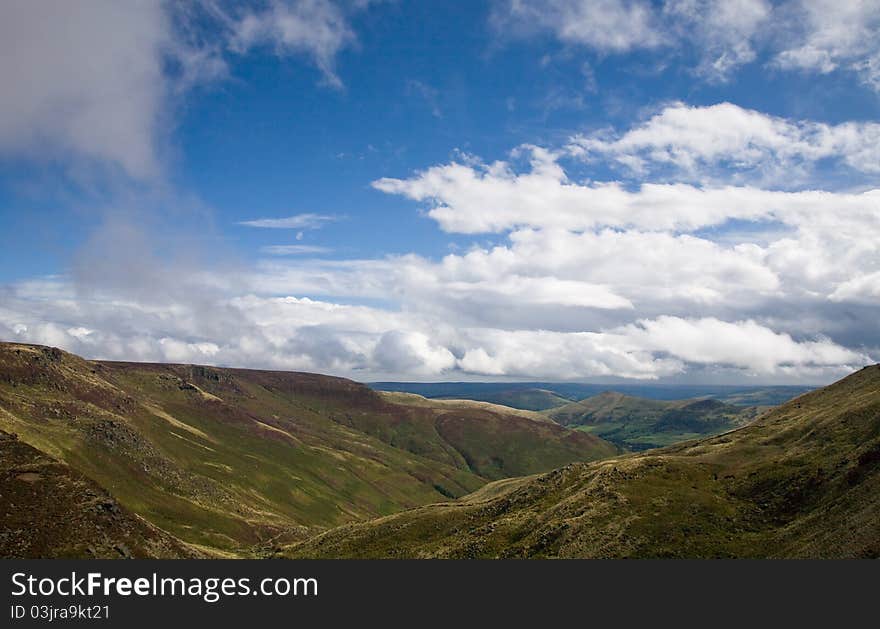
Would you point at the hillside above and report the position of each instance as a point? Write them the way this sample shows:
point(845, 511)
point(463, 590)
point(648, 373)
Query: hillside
point(232, 460)
point(497, 442)
point(801, 481)
point(50, 510)
point(638, 423)
point(526, 399)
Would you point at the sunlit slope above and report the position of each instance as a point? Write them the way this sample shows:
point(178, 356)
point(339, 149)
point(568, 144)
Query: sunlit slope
point(526, 399)
point(239, 460)
point(801, 481)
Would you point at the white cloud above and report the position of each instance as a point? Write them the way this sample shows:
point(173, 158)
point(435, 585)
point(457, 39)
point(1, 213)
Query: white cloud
point(860, 288)
point(412, 352)
point(831, 35)
point(646, 269)
point(297, 221)
point(559, 355)
point(606, 25)
point(724, 31)
point(295, 250)
point(292, 333)
point(714, 274)
point(318, 28)
point(714, 141)
point(476, 198)
point(722, 35)
point(744, 344)
point(539, 290)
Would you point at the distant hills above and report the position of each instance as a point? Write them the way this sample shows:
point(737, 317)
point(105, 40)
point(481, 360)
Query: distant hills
point(802, 480)
point(639, 423)
point(540, 396)
point(629, 421)
point(209, 461)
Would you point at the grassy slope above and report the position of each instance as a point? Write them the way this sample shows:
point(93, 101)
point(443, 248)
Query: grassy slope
point(233, 460)
point(639, 423)
point(414, 399)
point(801, 481)
point(494, 441)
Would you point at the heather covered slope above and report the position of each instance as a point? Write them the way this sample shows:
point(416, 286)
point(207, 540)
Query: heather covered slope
point(801, 481)
point(640, 423)
point(49, 510)
point(234, 460)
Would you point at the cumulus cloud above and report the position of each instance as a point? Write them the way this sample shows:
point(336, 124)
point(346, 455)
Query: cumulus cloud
point(477, 197)
point(744, 344)
point(412, 352)
point(712, 274)
point(300, 333)
point(696, 143)
point(864, 287)
point(549, 303)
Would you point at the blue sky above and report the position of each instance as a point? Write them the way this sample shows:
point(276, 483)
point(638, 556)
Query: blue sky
point(571, 189)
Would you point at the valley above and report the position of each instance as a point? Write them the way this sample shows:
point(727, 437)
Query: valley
point(802, 480)
point(640, 424)
point(109, 459)
point(233, 462)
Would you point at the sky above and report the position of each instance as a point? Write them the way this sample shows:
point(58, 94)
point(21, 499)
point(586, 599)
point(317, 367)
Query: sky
point(678, 191)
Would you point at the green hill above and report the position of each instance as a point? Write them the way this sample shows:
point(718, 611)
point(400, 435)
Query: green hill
point(230, 461)
point(640, 423)
point(803, 480)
